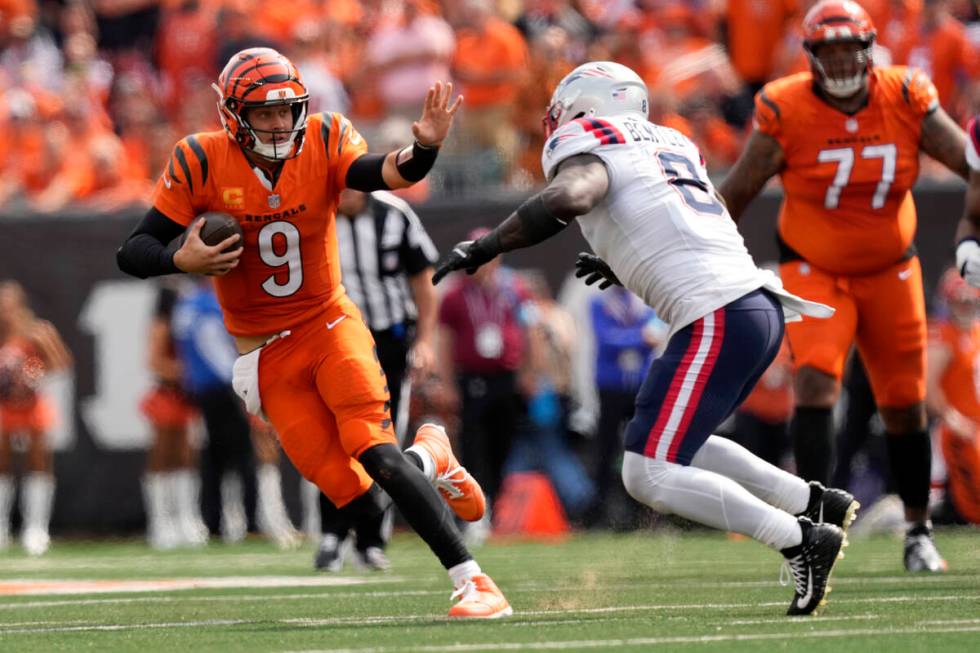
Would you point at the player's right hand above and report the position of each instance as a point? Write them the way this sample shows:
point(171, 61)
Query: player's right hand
point(595, 269)
point(196, 257)
point(968, 260)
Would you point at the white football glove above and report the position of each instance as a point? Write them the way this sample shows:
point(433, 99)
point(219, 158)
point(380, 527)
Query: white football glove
point(968, 260)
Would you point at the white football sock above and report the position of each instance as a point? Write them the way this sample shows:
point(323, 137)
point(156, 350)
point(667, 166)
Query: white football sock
point(707, 498)
point(463, 572)
point(775, 486)
point(38, 495)
point(428, 464)
point(186, 491)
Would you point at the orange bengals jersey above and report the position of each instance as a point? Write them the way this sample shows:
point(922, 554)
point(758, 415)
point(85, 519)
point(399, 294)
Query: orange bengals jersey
point(290, 267)
point(961, 380)
point(848, 208)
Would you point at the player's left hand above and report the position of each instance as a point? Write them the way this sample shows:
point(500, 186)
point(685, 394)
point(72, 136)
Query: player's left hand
point(437, 115)
point(595, 269)
point(467, 255)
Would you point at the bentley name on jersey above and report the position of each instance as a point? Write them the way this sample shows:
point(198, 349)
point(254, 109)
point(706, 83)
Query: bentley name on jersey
point(661, 227)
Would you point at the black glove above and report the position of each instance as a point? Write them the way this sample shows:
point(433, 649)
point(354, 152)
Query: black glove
point(467, 255)
point(593, 269)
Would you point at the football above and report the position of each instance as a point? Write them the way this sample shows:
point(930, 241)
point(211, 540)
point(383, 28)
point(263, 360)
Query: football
point(217, 227)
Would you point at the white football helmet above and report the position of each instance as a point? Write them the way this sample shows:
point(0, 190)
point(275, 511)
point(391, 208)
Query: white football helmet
point(597, 88)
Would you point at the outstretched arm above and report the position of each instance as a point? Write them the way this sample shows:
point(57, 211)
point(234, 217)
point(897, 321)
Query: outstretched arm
point(581, 183)
point(760, 160)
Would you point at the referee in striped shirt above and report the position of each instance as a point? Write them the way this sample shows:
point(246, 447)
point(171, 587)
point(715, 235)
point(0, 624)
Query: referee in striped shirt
point(386, 263)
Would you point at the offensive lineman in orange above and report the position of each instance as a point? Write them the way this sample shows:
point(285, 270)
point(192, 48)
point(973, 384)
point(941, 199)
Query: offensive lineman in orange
point(307, 359)
point(845, 139)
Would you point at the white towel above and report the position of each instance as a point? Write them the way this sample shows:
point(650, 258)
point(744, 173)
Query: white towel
point(245, 380)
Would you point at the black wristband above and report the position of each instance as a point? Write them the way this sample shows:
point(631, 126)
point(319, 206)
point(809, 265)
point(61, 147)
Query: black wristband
point(414, 163)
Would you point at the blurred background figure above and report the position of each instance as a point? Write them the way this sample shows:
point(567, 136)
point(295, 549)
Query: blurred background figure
point(628, 335)
point(953, 395)
point(387, 260)
point(762, 421)
point(542, 442)
point(171, 484)
point(482, 345)
point(271, 516)
point(207, 354)
point(30, 349)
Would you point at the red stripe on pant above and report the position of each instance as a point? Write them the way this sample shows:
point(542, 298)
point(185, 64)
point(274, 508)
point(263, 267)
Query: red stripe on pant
point(704, 375)
point(653, 439)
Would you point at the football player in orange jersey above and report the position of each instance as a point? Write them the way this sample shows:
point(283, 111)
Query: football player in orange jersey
point(307, 360)
point(953, 391)
point(845, 139)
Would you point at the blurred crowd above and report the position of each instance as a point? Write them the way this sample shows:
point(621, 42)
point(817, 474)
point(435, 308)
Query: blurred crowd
point(93, 93)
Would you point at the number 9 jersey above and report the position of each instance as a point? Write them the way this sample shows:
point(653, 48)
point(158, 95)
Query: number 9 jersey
point(848, 207)
point(290, 268)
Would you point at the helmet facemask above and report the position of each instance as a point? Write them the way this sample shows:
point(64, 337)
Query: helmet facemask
point(841, 67)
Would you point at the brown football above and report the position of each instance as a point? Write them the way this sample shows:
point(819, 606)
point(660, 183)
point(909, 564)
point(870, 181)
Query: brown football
point(217, 227)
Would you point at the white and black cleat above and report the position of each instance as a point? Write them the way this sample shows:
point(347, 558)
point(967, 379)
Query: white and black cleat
point(921, 554)
point(811, 563)
point(831, 506)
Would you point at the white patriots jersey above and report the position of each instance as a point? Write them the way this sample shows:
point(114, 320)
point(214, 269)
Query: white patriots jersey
point(973, 143)
point(660, 227)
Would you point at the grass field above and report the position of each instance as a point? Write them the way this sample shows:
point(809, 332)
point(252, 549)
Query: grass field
point(639, 592)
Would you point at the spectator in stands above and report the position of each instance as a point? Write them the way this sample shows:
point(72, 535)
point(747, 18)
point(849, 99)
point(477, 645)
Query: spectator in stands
point(307, 51)
point(171, 484)
point(627, 335)
point(30, 349)
point(753, 32)
point(940, 48)
point(407, 55)
point(490, 63)
point(185, 49)
point(482, 347)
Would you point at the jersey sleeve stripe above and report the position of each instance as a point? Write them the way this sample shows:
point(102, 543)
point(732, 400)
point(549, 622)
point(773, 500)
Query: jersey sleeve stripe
point(172, 172)
point(182, 160)
point(905, 85)
point(340, 138)
point(605, 132)
point(202, 158)
point(772, 105)
point(325, 119)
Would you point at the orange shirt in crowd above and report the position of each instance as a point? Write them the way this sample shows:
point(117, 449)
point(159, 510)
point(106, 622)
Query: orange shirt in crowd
point(944, 54)
point(498, 50)
point(755, 29)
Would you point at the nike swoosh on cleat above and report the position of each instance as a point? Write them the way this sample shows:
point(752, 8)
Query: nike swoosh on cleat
point(805, 599)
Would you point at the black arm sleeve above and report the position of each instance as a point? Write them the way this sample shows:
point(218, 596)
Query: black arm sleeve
point(145, 252)
point(365, 174)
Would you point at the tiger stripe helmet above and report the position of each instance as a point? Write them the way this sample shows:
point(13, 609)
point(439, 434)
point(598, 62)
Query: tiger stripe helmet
point(261, 77)
point(839, 21)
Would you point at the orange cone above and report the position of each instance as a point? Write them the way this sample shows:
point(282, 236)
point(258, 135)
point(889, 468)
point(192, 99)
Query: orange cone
point(528, 505)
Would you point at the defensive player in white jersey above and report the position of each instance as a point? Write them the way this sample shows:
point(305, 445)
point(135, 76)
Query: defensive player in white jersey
point(643, 200)
point(968, 232)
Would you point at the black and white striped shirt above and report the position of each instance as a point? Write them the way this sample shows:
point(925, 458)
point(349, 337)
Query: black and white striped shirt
point(379, 250)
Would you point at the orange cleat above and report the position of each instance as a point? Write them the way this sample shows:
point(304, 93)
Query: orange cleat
point(480, 598)
point(455, 484)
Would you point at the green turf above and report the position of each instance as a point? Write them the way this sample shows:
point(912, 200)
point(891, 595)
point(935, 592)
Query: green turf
point(640, 592)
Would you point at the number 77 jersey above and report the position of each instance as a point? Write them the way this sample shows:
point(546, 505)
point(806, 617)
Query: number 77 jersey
point(290, 269)
point(848, 208)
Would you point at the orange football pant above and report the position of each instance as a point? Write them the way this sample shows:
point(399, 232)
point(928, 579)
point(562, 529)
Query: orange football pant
point(883, 312)
point(963, 473)
point(324, 391)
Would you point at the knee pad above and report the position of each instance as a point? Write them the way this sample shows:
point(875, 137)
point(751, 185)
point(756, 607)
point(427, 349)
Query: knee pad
point(643, 478)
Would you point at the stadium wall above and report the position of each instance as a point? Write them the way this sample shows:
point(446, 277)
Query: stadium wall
point(67, 265)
